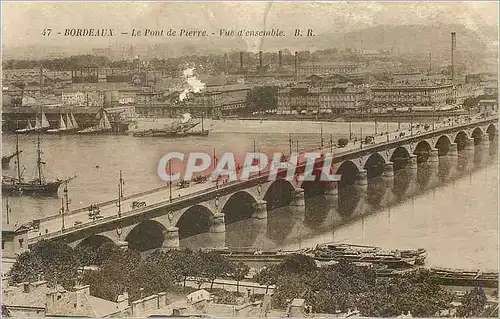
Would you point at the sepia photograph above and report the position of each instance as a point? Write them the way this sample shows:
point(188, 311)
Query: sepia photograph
point(213, 159)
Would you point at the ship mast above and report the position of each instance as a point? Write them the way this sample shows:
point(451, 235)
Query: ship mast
point(39, 159)
point(202, 116)
point(7, 208)
point(17, 158)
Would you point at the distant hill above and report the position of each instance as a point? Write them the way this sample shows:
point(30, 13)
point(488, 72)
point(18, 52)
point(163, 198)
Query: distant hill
point(405, 39)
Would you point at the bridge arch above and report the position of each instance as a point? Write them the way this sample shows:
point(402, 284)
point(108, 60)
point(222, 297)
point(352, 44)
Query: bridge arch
point(238, 207)
point(443, 145)
point(399, 157)
point(95, 241)
point(194, 220)
point(492, 132)
point(461, 140)
point(478, 135)
point(374, 165)
point(279, 194)
point(423, 151)
point(316, 187)
point(89, 249)
point(348, 197)
point(147, 235)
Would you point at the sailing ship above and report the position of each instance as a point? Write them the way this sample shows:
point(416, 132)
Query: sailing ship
point(104, 125)
point(41, 124)
point(38, 186)
point(67, 126)
point(203, 132)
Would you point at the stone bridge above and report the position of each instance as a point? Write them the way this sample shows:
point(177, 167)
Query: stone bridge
point(377, 175)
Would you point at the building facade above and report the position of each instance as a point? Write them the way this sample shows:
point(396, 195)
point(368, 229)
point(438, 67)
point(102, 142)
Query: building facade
point(337, 99)
point(308, 69)
point(414, 97)
point(70, 97)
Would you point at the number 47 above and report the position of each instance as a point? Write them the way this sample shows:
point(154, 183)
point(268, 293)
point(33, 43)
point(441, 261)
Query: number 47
point(46, 32)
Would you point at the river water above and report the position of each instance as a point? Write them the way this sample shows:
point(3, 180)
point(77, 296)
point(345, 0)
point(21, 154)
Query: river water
point(457, 223)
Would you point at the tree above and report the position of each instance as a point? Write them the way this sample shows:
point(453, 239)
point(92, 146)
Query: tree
point(298, 263)
point(52, 260)
point(239, 272)
point(214, 265)
point(186, 263)
point(267, 276)
point(262, 98)
point(473, 303)
point(121, 272)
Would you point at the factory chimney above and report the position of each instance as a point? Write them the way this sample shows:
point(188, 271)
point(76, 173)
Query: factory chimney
point(430, 63)
point(40, 79)
point(296, 62)
point(242, 70)
point(225, 63)
point(280, 57)
point(260, 60)
point(453, 47)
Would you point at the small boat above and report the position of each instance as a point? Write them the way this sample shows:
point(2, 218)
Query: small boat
point(38, 186)
point(74, 122)
point(361, 253)
point(6, 159)
point(29, 128)
point(61, 129)
point(104, 126)
point(41, 125)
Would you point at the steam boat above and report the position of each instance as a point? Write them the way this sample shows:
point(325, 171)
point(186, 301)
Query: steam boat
point(180, 128)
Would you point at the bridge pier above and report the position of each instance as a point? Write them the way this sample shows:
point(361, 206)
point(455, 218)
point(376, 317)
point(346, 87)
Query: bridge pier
point(362, 188)
point(452, 158)
point(388, 178)
point(217, 231)
point(412, 169)
point(218, 224)
point(332, 196)
point(171, 240)
point(484, 150)
point(433, 168)
point(260, 210)
point(298, 203)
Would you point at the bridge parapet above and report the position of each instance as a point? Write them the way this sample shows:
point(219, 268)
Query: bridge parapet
point(231, 187)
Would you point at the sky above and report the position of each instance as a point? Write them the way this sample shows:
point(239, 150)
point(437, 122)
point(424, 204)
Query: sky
point(23, 22)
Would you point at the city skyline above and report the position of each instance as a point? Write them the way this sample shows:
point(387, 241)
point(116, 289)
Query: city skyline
point(31, 18)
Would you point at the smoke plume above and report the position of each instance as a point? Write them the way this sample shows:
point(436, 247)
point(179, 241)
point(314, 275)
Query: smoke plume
point(194, 84)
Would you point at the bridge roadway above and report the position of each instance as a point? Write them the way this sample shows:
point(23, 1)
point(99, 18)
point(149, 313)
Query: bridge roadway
point(51, 226)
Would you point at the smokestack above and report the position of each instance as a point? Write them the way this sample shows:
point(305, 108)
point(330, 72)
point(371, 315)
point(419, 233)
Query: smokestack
point(453, 47)
point(225, 63)
point(260, 59)
point(41, 77)
point(296, 61)
point(241, 60)
point(280, 57)
point(430, 63)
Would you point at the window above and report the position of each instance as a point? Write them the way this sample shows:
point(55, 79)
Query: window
point(21, 243)
point(3, 244)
